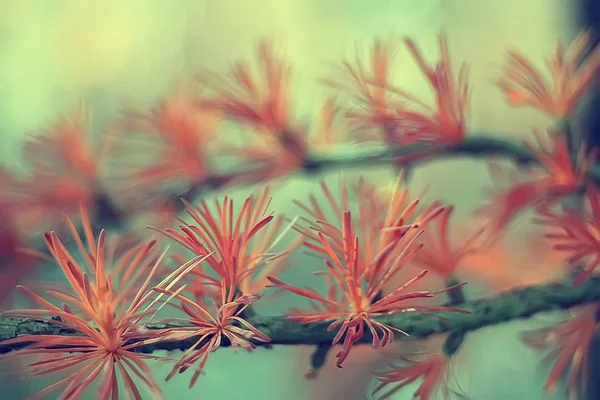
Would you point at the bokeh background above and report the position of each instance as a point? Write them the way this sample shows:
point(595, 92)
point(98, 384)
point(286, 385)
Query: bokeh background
point(116, 54)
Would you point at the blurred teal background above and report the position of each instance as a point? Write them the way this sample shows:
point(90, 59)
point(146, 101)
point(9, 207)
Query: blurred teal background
point(129, 52)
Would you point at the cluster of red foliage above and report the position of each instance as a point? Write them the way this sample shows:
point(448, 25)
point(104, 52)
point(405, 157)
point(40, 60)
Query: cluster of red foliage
point(365, 238)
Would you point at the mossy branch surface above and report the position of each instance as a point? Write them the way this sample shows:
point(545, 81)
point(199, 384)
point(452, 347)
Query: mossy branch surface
point(507, 306)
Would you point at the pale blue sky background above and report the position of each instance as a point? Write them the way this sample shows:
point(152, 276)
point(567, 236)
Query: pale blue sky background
point(116, 53)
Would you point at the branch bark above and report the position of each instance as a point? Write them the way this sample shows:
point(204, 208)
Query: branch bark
point(507, 306)
point(474, 146)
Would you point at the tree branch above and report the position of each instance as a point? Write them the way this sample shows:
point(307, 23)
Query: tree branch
point(471, 146)
point(507, 306)
point(416, 154)
point(474, 146)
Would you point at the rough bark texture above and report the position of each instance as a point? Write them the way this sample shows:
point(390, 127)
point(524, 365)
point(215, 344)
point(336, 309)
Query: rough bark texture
point(506, 306)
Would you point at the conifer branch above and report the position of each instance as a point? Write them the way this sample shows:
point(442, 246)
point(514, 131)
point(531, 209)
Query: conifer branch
point(507, 306)
point(472, 146)
point(475, 146)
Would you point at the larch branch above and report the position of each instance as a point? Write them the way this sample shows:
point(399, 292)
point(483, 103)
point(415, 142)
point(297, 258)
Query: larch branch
point(474, 146)
point(507, 306)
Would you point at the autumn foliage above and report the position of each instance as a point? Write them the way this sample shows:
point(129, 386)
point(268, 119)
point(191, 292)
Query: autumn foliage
point(200, 268)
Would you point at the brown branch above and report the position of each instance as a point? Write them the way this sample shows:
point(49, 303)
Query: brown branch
point(507, 306)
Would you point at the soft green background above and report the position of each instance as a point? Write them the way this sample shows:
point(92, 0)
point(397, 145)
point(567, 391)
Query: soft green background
point(115, 53)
